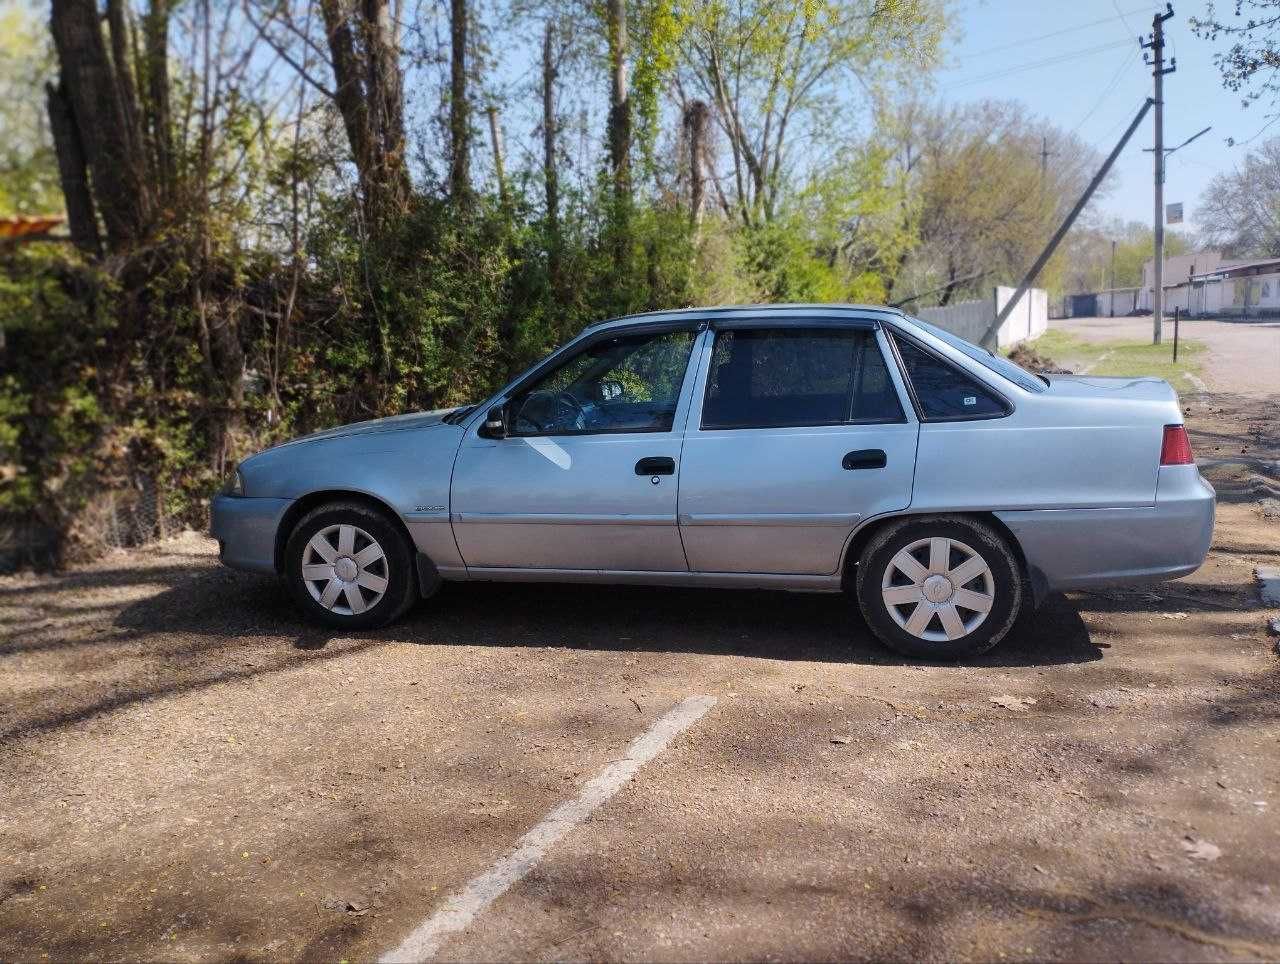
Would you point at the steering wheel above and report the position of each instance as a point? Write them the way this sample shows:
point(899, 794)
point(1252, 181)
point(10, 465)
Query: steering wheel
point(580, 416)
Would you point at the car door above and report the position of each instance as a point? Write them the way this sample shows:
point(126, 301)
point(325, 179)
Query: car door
point(586, 476)
point(799, 432)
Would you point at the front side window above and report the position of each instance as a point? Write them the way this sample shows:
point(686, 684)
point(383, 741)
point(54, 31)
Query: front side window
point(943, 391)
point(771, 378)
point(626, 384)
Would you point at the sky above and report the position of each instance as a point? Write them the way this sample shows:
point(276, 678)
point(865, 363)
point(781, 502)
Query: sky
point(1095, 82)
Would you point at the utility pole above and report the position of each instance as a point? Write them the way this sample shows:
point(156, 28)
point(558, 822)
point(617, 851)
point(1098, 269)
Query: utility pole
point(992, 337)
point(1113, 277)
point(1045, 154)
point(1156, 45)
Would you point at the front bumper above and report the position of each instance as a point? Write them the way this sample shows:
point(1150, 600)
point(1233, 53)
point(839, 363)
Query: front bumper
point(246, 531)
point(1088, 548)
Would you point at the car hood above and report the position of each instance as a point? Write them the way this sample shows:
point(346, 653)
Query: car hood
point(1105, 387)
point(395, 423)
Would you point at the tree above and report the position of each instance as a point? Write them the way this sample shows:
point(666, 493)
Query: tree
point(459, 107)
point(28, 168)
point(97, 98)
point(369, 91)
point(619, 101)
point(550, 162)
point(362, 48)
point(770, 69)
point(1087, 254)
point(985, 206)
point(1250, 64)
point(1240, 209)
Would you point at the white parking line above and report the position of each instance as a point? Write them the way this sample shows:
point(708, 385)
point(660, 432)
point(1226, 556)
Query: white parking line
point(459, 910)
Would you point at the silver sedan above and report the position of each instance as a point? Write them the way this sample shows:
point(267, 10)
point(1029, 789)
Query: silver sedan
point(815, 448)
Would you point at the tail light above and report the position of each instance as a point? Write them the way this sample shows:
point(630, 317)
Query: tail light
point(1176, 447)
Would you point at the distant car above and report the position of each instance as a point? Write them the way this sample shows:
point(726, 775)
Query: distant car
point(814, 448)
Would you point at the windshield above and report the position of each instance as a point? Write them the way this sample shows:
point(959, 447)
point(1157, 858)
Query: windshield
point(997, 363)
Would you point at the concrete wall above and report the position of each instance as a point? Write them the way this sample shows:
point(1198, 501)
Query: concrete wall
point(1029, 317)
point(971, 319)
point(968, 319)
point(1119, 302)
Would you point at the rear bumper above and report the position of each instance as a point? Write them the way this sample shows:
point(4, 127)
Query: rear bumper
point(1087, 548)
point(246, 531)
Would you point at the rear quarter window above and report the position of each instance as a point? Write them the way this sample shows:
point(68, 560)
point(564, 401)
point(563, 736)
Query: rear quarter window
point(943, 391)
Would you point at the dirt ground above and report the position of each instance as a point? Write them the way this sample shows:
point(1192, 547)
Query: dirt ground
point(188, 772)
point(1243, 358)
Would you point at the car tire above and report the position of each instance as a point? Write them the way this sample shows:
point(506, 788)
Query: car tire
point(940, 587)
point(347, 565)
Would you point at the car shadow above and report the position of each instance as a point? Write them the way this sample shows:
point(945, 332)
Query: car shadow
point(744, 623)
point(214, 626)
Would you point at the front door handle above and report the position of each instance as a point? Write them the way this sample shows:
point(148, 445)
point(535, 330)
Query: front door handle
point(864, 459)
point(656, 465)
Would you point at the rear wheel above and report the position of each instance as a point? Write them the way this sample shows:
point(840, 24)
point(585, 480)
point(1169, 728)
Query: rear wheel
point(348, 566)
point(940, 587)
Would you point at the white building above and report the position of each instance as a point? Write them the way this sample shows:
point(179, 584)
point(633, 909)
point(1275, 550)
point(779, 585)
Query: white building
point(1244, 289)
point(1177, 272)
point(1206, 284)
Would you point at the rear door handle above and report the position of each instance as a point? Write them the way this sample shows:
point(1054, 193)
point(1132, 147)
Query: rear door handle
point(864, 459)
point(656, 465)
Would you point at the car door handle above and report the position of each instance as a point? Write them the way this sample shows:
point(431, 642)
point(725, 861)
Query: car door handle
point(656, 465)
point(864, 459)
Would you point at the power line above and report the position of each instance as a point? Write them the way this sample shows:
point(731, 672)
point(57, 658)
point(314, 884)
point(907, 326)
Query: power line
point(1122, 16)
point(1047, 62)
point(1129, 58)
point(1057, 33)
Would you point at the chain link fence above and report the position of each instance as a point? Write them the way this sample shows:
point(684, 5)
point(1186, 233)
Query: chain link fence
point(113, 519)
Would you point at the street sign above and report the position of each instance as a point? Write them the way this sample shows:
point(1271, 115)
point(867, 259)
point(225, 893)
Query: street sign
point(1173, 213)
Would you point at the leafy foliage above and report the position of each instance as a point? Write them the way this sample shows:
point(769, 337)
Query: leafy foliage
point(284, 254)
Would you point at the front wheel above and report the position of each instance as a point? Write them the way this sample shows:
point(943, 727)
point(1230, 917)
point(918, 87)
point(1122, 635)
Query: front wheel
point(940, 587)
point(348, 566)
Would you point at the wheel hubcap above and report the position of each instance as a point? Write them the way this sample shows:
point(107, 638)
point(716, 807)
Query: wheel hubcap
point(938, 589)
point(345, 569)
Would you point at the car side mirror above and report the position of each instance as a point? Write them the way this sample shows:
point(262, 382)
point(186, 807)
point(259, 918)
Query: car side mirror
point(495, 423)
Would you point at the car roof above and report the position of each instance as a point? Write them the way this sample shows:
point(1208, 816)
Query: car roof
point(726, 312)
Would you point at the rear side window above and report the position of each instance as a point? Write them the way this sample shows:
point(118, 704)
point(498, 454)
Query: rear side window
point(772, 378)
point(943, 391)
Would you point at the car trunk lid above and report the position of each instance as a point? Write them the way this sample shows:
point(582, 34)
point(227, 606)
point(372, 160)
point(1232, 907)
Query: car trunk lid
point(1140, 388)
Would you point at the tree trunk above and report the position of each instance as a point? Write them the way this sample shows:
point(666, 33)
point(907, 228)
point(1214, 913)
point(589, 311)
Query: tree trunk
point(73, 173)
point(385, 90)
point(155, 70)
point(369, 93)
point(120, 174)
point(499, 169)
point(459, 121)
point(949, 290)
point(550, 174)
point(118, 30)
point(619, 102)
point(696, 115)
